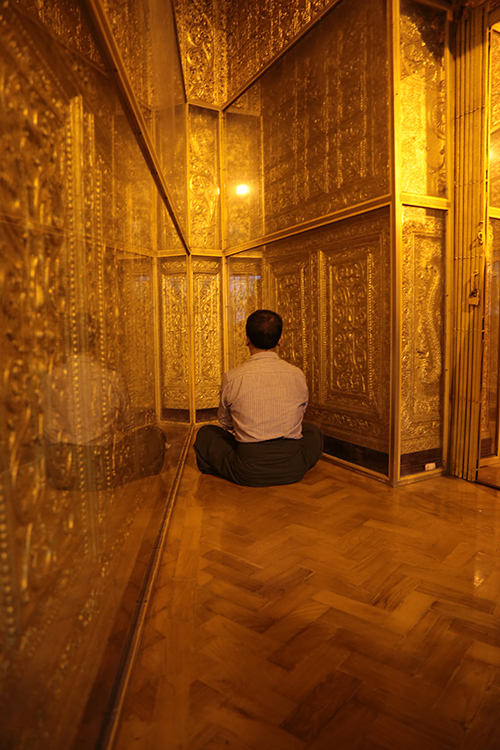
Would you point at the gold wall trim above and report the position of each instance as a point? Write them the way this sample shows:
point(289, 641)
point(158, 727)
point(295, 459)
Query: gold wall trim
point(322, 221)
point(396, 248)
point(118, 73)
point(133, 642)
point(241, 90)
point(425, 201)
point(494, 213)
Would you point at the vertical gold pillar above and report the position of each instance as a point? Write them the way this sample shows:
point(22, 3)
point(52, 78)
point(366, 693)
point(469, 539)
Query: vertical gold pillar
point(470, 192)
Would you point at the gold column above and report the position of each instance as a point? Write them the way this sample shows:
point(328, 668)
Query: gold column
point(470, 223)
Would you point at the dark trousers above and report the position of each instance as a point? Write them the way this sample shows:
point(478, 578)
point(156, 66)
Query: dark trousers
point(263, 464)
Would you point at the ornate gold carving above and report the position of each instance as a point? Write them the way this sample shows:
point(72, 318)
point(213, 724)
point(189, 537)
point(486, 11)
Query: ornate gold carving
point(245, 296)
point(489, 394)
point(332, 287)
point(325, 119)
point(174, 333)
point(76, 209)
point(287, 283)
point(204, 186)
point(202, 34)
point(423, 105)
point(207, 311)
point(494, 151)
point(422, 329)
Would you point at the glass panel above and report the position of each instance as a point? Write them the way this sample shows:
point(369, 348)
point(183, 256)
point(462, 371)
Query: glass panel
point(80, 492)
point(423, 106)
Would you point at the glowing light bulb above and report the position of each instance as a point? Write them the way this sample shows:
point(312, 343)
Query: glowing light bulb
point(242, 189)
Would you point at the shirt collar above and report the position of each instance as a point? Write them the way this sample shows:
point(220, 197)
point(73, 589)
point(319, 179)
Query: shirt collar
point(262, 355)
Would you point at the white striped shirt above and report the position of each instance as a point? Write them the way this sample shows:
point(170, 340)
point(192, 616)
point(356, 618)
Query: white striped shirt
point(264, 398)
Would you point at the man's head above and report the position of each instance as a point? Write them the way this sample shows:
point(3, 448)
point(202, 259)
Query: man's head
point(264, 329)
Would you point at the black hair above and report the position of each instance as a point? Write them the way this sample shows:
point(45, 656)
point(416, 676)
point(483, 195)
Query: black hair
point(264, 328)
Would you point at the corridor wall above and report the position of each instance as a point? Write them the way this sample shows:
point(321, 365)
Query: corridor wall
point(81, 226)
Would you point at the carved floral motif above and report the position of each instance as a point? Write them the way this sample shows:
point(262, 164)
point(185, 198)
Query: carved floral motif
point(422, 329)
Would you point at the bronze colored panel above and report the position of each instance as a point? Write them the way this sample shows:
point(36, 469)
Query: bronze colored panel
point(243, 177)
point(325, 114)
point(174, 333)
point(423, 106)
point(204, 182)
point(245, 296)
point(422, 329)
point(207, 313)
point(331, 286)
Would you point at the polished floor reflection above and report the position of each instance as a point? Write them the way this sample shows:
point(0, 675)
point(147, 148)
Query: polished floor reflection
point(337, 612)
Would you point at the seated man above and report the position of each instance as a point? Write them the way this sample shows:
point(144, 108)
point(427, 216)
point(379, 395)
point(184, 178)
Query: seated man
point(263, 401)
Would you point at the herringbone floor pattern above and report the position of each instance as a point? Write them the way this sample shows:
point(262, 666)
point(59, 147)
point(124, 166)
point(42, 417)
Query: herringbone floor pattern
point(334, 614)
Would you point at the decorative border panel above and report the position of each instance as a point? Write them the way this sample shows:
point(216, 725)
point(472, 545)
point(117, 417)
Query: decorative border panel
point(422, 329)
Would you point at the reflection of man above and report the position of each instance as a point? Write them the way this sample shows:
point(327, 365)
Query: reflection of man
point(263, 401)
point(90, 443)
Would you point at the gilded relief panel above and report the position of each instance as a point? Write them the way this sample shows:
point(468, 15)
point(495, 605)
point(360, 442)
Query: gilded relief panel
point(332, 286)
point(491, 341)
point(207, 313)
point(245, 296)
point(494, 151)
point(73, 295)
point(174, 333)
point(225, 44)
point(243, 194)
point(204, 182)
point(325, 118)
point(422, 329)
point(287, 280)
point(423, 105)
point(202, 37)
point(354, 272)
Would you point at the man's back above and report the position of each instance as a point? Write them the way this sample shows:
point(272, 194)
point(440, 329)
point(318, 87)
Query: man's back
point(263, 399)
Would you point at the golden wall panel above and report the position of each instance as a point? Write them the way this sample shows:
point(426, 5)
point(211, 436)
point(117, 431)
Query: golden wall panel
point(203, 41)
point(225, 44)
point(66, 20)
point(286, 282)
point(494, 152)
point(174, 333)
point(422, 329)
point(423, 104)
point(491, 341)
point(77, 215)
point(204, 182)
point(243, 193)
point(325, 121)
point(245, 296)
point(207, 314)
point(332, 288)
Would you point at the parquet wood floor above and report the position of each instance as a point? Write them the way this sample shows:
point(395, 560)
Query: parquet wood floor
point(335, 614)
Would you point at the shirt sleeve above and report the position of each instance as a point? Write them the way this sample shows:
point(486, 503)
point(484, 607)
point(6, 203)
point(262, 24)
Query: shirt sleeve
point(224, 413)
